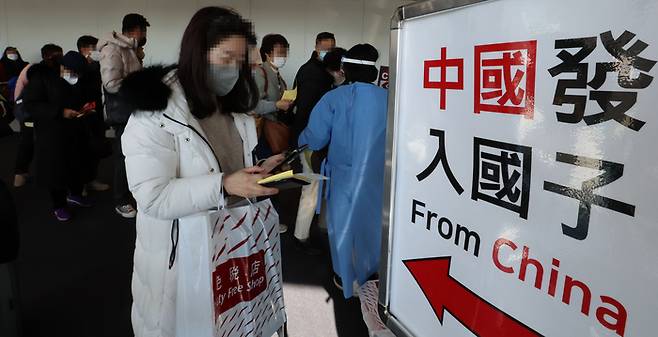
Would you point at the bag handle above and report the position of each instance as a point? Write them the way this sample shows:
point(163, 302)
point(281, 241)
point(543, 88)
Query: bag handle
point(174, 243)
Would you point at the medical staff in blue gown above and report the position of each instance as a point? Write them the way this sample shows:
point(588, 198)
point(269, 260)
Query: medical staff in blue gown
point(351, 119)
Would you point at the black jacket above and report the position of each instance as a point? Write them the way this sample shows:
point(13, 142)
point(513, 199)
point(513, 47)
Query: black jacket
point(60, 146)
point(312, 82)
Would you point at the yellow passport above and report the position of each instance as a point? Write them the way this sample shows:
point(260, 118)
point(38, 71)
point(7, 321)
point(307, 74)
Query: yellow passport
point(289, 179)
point(289, 95)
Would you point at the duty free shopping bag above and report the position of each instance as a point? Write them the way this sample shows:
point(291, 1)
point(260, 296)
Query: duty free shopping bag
point(229, 274)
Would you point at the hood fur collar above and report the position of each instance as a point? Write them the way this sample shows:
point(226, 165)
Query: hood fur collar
point(145, 90)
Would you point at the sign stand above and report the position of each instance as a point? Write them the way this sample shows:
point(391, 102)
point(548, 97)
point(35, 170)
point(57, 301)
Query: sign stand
point(521, 169)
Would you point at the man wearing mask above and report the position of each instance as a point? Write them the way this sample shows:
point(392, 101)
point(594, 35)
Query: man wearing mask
point(51, 56)
point(95, 125)
point(312, 82)
point(119, 57)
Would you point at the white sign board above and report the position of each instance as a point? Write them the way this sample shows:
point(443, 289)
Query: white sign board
point(525, 170)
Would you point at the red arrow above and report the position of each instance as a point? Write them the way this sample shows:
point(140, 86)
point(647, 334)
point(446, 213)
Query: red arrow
point(445, 293)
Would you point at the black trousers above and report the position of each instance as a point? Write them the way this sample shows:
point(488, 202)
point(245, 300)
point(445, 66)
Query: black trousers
point(122, 195)
point(25, 150)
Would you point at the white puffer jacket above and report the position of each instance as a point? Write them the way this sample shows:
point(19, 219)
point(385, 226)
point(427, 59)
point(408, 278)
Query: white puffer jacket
point(172, 174)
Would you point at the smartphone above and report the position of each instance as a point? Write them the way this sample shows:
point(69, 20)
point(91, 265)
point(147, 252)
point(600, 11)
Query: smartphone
point(290, 157)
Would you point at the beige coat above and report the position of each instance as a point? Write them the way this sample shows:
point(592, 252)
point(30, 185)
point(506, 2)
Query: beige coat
point(118, 59)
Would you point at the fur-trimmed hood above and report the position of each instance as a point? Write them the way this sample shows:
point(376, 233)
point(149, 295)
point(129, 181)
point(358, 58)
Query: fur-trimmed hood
point(146, 90)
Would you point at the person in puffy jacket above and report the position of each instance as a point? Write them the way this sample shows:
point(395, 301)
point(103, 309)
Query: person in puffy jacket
point(119, 57)
point(188, 143)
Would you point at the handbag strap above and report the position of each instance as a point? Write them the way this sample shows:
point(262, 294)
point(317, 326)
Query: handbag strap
point(267, 82)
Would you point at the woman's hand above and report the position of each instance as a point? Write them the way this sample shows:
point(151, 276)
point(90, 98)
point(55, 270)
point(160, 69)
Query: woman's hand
point(270, 163)
point(244, 183)
point(284, 105)
point(70, 114)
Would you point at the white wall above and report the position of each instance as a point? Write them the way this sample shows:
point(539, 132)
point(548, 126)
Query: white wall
point(28, 24)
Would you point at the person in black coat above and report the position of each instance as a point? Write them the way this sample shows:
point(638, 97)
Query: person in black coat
point(99, 146)
point(312, 82)
point(55, 98)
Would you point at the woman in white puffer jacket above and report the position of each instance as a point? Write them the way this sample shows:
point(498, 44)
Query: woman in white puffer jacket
point(188, 139)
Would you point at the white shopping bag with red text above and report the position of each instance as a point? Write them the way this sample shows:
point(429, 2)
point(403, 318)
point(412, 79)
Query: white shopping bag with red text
point(229, 274)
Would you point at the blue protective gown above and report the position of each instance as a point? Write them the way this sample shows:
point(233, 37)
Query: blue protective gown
point(351, 119)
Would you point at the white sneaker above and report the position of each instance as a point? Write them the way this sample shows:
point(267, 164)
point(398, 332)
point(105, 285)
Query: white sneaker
point(126, 211)
point(282, 228)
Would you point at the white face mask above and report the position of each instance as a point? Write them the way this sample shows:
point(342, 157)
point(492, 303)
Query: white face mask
point(70, 78)
point(222, 78)
point(279, 61)
point(95, 55)
point(12, 57)
point(322, 54)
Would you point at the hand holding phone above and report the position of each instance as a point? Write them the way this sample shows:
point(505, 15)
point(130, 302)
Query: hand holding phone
point(290, 157)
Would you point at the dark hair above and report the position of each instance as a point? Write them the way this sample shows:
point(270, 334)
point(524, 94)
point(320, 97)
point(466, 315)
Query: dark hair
point(208, 27)
point(49, 49)
point(74, 61)
point(324, 36)
point(269, 42)
point(333, 59)
point(86, 41)
point(132, 21)
point(360, 72)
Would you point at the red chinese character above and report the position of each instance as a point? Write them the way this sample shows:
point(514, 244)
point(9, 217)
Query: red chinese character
point(443, 84)
point(505, 78)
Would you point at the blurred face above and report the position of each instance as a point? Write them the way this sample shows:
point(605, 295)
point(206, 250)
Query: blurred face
point(278, 56)
point(68, 75)
point(53, 58)
point(139, 35)
point(229, 52)
point(339, 77)
point(225, 60)
point(278, 51)
point(325, 46)
point(86, 50)
point(12, 54)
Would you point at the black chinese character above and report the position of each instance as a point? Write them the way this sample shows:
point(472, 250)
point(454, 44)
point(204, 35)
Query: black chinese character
point(610, 172)
point(572, 64)
point(615, 104)
point(498, 171)
point(443, 159)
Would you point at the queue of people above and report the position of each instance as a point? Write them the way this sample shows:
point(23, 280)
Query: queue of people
point(212, 125)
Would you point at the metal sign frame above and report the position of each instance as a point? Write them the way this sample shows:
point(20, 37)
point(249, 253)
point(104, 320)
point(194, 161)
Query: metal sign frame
point(402, 14)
